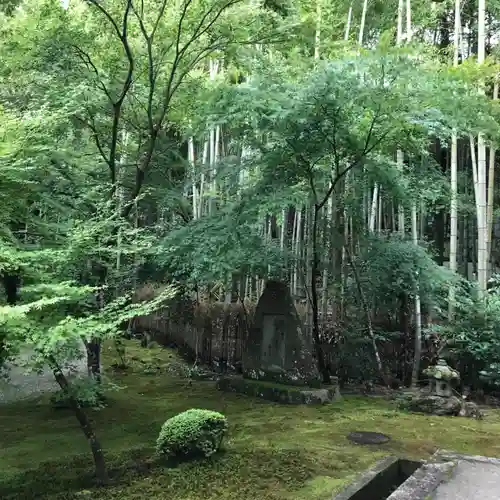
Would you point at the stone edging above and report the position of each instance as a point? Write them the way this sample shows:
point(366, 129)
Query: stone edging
point(453, 456)
point(424, 481)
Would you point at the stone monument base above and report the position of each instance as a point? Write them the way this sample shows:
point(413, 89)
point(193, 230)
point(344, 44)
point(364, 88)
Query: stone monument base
point(280, 393)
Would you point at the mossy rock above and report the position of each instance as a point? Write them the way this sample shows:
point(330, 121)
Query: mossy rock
point(432, 405)
point(279, 393)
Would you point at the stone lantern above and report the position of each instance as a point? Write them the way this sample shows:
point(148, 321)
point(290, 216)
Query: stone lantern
point(441, 376)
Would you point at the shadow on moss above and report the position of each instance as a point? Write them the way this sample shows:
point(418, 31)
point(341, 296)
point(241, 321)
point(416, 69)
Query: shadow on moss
point(53, 477)
point(140, 470)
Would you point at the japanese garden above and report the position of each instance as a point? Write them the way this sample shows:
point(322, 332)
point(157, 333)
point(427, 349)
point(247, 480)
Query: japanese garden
point(249, 249)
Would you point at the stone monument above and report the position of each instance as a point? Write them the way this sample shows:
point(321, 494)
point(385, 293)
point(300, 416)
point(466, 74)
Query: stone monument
point(277, 348)
point(277, 359)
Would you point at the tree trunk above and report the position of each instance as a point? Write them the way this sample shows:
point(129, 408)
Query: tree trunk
point(362, 25)
point(368, 317)
point(399, 153)
point(95, 445)
point(491, 187)
point(323, 370)
point(296, 249)
point(414, 230)
point(11, 284)
point(482, 259)
point(453, 221)
point(453, 177)
point(373, 209)
point(482, 226)
point(94, 358)
point(418, 314)
point(348, 23)
point(328, 254)
point(317, 38)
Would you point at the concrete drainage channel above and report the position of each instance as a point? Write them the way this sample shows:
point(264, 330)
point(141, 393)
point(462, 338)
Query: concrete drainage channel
point(446, 476)
point(381, 481)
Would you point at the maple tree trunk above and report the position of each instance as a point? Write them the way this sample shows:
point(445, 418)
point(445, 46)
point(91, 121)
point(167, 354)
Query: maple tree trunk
point(101, 471)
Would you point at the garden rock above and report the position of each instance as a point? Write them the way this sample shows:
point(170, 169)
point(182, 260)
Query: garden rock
point(434, 405)
point(317, 396)
point(471, 410)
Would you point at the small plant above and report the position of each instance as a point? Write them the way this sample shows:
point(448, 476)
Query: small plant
point(86, 390)
point(192, 433)
point(473, 338)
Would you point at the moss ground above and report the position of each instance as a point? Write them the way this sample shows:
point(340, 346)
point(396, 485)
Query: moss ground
point(273, 452)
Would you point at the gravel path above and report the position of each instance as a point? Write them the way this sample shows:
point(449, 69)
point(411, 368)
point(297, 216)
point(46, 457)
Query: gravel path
point(23, 385)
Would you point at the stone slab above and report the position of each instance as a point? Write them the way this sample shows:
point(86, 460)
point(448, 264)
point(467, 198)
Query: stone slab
point(278, 393)
point(474, 478)
point(367, 437)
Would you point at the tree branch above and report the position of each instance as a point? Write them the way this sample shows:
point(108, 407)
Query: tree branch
point(87, 60)
point(152, 74)
point(198, 32)
point(122, 34)
point(91, 125)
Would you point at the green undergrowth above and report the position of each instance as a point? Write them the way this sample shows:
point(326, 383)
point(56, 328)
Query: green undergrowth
point(273, 452)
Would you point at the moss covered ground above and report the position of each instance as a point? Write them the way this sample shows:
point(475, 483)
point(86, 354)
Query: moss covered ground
point(273, 452)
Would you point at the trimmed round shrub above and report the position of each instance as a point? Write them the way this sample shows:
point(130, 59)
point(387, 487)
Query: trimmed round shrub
point(192, 433)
